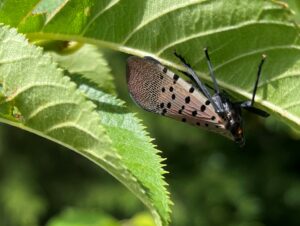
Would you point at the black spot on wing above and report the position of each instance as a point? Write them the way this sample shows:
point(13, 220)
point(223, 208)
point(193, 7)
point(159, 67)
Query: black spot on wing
point(187, 99)
point(203, 108)
point(175, 78)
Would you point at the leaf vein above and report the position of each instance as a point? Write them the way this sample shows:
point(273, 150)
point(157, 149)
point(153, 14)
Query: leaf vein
point(157, 16)
point(110, 5)
point(266, 82)
point(28, 87)
point(71, 124)
point(250, 53)
point(215, 31)
point(291, 105)
point(46, 106)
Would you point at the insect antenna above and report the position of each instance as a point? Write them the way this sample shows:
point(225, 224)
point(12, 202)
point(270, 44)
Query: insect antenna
point(211, 71)
point(257, 79)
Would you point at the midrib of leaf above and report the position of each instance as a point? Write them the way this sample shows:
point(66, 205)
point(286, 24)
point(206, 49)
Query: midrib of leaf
point(247, 94)
point(44, 135)
point(141, 53)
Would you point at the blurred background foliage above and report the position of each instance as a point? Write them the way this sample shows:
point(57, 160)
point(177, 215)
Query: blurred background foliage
point(212, 181)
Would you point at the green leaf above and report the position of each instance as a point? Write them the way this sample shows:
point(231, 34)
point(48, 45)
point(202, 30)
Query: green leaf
point(75, 217)
point(46, 103)
point(295, 6)
point(236, 32)
point(9, 14)
point(17, 189)
point(89, 63)
point(142, 219)
point(132, 142)
point(127, 135)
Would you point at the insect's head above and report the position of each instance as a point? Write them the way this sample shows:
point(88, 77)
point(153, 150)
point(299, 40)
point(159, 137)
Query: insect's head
point(235, 125)
point(232, 115)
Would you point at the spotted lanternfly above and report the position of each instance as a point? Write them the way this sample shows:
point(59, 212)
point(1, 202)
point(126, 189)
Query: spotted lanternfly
point(157, 89)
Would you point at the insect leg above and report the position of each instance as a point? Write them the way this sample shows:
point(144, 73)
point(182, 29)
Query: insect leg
point(211, 71)
point(248, 105)
point(251, 103)
point(257, 78)
point(192, 75)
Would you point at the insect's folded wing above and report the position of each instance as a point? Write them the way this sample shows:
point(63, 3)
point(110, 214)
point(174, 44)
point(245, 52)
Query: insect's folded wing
point(159, 90)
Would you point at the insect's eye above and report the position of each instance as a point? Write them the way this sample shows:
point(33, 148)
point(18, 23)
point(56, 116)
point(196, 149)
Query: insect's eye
point(236, 129)
point(239, 131)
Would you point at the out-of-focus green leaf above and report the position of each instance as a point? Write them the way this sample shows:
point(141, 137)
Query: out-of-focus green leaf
point(103, 196)
point(46, 103)
point(295, 6)
point(20, 201)
point(142, 219)
point(74, 217)
point(14, 13)
point(89, 63)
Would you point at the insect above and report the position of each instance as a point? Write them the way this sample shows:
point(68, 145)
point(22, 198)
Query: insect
point(157, 89)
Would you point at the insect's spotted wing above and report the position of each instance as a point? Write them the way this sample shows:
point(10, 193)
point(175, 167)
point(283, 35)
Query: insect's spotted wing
point(159, 90)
